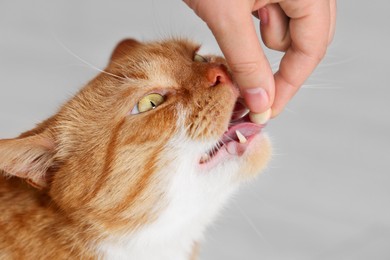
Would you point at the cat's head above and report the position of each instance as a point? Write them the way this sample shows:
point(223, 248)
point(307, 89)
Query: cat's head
point(161, 127)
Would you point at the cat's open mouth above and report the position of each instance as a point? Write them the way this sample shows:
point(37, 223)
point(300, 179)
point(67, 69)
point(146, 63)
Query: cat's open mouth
point(236, 139)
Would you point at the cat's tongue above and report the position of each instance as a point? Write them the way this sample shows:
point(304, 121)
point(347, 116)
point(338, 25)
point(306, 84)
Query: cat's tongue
point(235, 141)
point(238, 137)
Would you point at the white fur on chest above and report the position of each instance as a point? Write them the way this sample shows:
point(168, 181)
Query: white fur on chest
point(194, 198)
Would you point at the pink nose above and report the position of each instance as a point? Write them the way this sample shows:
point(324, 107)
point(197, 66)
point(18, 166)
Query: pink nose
point(218, 75)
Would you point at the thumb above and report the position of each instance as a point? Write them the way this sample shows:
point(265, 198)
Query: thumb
point(237, 38)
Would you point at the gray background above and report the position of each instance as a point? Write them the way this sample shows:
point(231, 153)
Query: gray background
point(326, 193)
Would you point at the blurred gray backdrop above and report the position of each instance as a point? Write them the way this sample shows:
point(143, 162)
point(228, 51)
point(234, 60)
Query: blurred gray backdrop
point(326, 193)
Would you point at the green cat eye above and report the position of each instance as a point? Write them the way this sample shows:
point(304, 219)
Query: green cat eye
point(150, 102)
point(200, 58)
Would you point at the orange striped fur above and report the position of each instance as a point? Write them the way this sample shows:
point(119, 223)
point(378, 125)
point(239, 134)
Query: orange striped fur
point(94, 175)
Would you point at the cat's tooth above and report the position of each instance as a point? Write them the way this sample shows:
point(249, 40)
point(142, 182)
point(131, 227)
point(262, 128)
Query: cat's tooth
point(205, 157)
point(241, 137)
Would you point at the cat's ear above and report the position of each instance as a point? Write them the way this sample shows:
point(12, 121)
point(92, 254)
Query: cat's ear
point(29, 158)
point(124, 47)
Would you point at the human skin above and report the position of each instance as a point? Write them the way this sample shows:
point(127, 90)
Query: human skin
point(302, 29)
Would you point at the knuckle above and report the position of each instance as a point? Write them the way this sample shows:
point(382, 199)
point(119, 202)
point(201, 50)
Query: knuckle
point(269, 42)
point(245, 68)
point(315, 54)
point(277, 41)
point(278, 45)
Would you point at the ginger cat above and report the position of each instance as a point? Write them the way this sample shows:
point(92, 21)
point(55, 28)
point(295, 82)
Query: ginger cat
point(135, 166)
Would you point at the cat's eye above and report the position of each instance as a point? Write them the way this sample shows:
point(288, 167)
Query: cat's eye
point(148, 102)
point(199, 58)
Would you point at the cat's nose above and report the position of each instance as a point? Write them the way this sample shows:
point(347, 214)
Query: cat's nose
point(218, 75)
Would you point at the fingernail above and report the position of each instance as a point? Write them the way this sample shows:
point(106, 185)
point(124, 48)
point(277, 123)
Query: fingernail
point(261, 118)
point(263, 16)
point(256, 99)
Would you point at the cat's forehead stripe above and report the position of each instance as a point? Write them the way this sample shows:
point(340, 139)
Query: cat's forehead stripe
point(159, 76)
point(156, 64)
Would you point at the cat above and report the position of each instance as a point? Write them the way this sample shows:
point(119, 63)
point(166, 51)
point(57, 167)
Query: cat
point(135, 165)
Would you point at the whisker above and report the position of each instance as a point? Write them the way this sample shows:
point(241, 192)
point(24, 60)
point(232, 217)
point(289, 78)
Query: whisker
point(219, 145)
point(319, 86)
point(251, 224)
point(84, 61)
point(290, 110)
point(188, 127)
point(228, 137)
point(340, 62)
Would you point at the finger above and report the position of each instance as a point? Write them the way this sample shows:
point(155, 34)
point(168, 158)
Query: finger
point(333, 14)
point(237, 38)
point(309, 30)
point(274, 27)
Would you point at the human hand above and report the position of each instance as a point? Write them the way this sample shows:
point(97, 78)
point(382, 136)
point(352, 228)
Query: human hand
point(300, 28)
